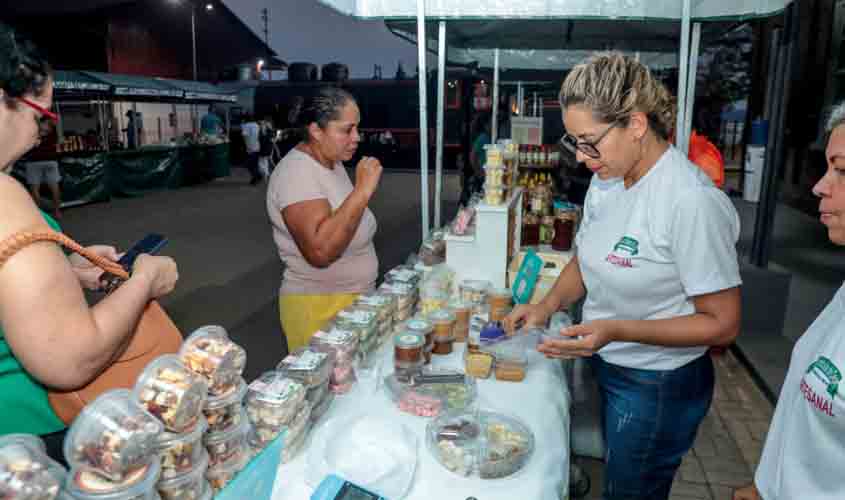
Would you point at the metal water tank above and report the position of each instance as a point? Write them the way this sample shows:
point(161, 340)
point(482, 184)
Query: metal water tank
point(335, 72)
point(302, 72)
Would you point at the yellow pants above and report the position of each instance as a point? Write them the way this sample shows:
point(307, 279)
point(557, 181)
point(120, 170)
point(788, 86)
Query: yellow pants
point(303, 315)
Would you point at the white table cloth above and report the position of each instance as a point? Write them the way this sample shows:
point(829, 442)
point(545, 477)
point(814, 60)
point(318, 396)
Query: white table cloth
point(542, 401)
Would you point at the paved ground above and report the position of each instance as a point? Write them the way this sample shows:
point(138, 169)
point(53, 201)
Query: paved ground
point(229, 275)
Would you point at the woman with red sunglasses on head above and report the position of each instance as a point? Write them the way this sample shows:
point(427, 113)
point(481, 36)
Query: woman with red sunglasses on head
point(50, 337)
point(656, 263)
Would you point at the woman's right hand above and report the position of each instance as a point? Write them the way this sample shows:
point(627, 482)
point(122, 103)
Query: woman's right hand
point(160, 272)
point(367, 175)
point(527, 315)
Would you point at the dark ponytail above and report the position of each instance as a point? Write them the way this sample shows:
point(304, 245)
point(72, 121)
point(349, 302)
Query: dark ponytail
point(23, 68)
point(321, 107)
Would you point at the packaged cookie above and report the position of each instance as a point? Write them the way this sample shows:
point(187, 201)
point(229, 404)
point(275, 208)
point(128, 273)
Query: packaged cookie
point(272, 402)
point(189, 486)
point(210, 353)
point(308, 367)
point(26, 472)
point(341, 342)
point(170, 391)
point(292, 449)
point(228, 445)
point(384, 303)
point(478, 364)
point(112, 437)
point(362, 320)
point(316, 395)
point(403, 274)
point(462, 311)
point(224, 412)
point(139, 485)
point(510, 371)
point(320, 409)
point(180, 453)
point(406, 297)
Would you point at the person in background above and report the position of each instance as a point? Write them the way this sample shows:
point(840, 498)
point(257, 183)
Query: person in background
point(133, 130)
point(211, 124)
point(804, 449)
point(321, 222)
point(265, 139)
point(42, 167)
point(655, 260)
point(474, 171)
point(251, 133)
point(50, 337)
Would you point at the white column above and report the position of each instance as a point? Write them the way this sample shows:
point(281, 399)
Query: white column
point(680, 140)
point(441, 104)
point(693, 74)
point(494, 134)
point(421, 46)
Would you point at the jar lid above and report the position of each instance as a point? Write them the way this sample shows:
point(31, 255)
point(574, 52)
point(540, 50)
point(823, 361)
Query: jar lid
point(442, 316)
point(418, 325)
point(409, 340)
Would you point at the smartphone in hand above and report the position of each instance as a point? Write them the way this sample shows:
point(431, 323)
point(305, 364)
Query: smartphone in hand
point(151, 245)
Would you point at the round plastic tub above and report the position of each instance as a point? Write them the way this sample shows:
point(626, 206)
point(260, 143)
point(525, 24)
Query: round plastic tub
point(180, 453)
point(209, 352)
point(225, 411)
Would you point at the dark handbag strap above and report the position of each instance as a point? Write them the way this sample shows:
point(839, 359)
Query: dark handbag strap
point(22, 239)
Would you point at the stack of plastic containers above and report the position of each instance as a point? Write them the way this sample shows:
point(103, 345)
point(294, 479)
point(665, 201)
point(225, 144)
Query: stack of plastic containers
point(341, 344)
point(363, 321)
point(385, 306)
point(175, 395)
point(111, 448)
point(26, 472)
point(276, 406)
point(210, 353)
point(312, 369)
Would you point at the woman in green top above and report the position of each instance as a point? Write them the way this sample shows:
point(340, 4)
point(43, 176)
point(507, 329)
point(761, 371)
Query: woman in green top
point(50, 336)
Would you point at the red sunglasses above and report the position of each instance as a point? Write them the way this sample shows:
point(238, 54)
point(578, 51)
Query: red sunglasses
point(46, 113)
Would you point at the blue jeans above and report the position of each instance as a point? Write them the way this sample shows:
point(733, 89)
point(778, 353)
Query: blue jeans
point(650, 418)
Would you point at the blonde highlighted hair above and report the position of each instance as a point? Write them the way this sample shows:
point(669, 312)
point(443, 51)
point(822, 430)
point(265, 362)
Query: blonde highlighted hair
point(614, 86)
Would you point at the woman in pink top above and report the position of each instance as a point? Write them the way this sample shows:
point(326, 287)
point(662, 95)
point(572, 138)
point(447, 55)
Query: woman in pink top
point(321, 224)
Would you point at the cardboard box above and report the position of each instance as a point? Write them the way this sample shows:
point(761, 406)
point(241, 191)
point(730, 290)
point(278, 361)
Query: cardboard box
point(553, 261)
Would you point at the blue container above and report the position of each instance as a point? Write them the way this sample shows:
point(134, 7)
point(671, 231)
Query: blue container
point(759, 132)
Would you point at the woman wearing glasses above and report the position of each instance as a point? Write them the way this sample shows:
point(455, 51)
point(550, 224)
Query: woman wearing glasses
point(50, 337)
point(657, 264)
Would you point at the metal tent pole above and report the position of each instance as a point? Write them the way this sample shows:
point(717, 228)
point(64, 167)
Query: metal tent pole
point(683, 71)
point(421, 48)
point(441, 103)
point(494, 134)
point(692, 72)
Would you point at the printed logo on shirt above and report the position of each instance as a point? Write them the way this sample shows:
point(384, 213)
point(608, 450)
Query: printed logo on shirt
point(623, 251)
point(829, 375)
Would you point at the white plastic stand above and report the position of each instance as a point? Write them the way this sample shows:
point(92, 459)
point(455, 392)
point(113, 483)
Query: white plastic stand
point(484, 255)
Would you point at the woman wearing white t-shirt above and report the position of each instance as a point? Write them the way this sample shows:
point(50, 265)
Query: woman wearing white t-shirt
point(805, 451)
point(656, 259)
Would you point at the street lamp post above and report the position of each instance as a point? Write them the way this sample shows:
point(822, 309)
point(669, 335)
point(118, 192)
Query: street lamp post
point(194, 37)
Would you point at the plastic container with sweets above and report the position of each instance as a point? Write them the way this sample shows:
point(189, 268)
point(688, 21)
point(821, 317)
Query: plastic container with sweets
point(408, 347)
point(189, 486)
point(384, 303)
point(259, 438)
point(224, 446)
point(405, 294)
point(292, 449)
point(422, 327)
point(224, 412)
point(494, 196)
point(403, 274)
point(494, 155)
point(432, 299)
point(509, 371)
point(272, 401)
point(405, 370)
point(341, 343)
point(444, 325)
point(316, 395)
point(209, 352)
point(462, 311)
point(483, 443)
point(499, 299)
point(494, 177)
point(180, 453)
point(362, 320)
point(318, 410)
point(474, 291)
point(478, 364)
point(140, 485)
point(112, 436)
point(430, 398)
point(220, 475)
point(170, 391)
point(309, 368)
point(26, 472)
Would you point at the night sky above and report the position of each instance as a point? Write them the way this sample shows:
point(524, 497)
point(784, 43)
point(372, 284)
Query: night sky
point(306, 31)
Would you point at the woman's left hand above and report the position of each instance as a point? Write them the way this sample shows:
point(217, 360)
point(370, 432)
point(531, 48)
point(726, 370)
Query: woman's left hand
point(87, 273)
point(593, 336)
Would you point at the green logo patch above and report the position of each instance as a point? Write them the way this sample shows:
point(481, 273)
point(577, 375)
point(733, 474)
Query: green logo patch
point(627, 245)
point(828, 373)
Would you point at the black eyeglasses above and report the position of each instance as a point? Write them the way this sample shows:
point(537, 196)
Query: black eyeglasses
point(588, 148)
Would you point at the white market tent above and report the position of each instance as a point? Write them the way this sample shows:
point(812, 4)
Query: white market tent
point(553, 26)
